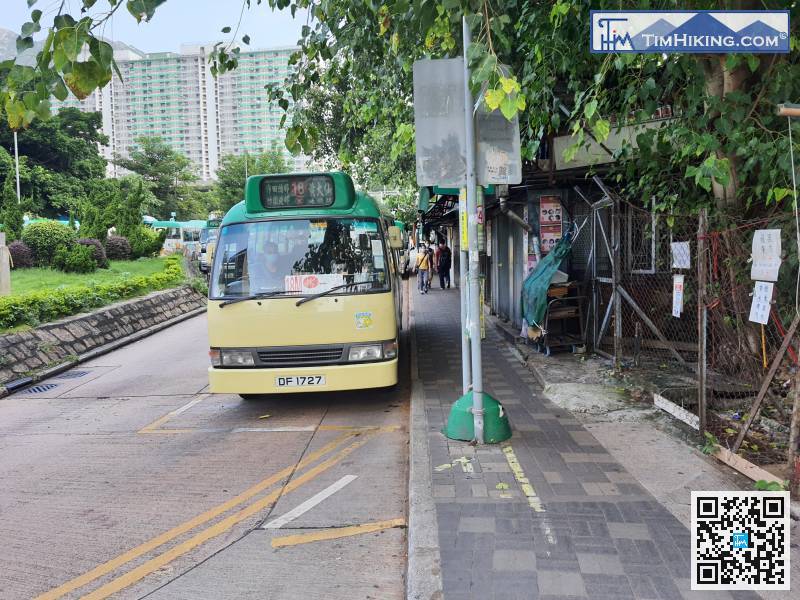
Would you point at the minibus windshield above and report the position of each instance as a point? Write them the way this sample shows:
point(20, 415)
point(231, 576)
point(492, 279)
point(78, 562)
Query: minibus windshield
point(299, 257)
point(208, 235)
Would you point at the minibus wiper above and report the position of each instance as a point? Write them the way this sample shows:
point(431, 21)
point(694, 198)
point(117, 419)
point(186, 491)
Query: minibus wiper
point(333, 289)
point(258, 296)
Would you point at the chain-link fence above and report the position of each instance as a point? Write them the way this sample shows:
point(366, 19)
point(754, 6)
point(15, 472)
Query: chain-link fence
point(675, 295)
point(750, 365)
point(651, 251)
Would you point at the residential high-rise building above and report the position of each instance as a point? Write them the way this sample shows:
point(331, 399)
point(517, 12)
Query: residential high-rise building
point(174, 96)
point(246, 121)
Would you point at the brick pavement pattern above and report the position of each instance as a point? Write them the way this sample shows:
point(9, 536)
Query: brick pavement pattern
point(600, 534)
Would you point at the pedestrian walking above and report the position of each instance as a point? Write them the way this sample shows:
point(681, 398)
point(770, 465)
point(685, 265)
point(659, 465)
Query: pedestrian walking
point(432, 263)
point(423, 267)
point(443, 263)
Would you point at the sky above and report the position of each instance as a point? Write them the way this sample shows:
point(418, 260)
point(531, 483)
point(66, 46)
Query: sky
point(175, 22)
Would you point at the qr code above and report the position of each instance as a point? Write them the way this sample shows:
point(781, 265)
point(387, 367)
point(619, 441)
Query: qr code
point(740, 540)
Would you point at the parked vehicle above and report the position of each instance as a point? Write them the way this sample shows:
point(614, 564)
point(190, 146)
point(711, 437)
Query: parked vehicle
point(182, 236)
point(305, 291)
point(208, 240)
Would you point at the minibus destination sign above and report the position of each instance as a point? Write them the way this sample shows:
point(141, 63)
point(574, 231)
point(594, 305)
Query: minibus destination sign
point(297, 191)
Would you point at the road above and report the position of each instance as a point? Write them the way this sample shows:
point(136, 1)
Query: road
point(124, 478)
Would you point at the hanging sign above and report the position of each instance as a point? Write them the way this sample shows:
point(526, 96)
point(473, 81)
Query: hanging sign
point(498, 159)
point(681, 255)
point(441, 140)
point(766, 255)
point(762, 301)
point(677, 296)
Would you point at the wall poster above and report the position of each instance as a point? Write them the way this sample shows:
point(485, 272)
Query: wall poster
point(550, 215)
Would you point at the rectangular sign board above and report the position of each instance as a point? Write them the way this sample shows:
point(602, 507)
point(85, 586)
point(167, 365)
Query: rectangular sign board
point(697, 32)
point(439, 122)
point(498, 154)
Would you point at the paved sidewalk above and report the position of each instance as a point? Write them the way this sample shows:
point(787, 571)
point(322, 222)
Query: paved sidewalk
point(550, 514)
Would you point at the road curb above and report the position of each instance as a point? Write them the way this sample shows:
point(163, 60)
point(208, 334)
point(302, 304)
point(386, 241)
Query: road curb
point(13, 386)
point(424, 576)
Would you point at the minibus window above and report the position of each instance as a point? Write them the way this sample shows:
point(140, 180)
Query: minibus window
point(299, 257)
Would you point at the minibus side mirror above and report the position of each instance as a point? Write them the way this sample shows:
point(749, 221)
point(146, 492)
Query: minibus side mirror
point(395, 238)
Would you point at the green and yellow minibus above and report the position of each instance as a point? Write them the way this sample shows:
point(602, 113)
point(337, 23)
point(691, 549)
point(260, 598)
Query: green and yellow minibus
point(305, 291)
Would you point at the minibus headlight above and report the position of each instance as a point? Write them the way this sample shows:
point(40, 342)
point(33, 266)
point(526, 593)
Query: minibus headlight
point(213, 354)
point(237, 358)
point(365, 352)
point(390, 349)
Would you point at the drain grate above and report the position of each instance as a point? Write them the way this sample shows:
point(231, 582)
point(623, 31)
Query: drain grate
point(38, 389)
point(72, 375)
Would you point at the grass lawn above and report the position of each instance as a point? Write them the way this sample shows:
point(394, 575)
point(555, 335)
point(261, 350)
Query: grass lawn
point(30, 280)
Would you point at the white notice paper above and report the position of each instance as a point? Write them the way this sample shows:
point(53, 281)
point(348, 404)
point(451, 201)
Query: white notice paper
point(677, 295)
point(762, 300)
point(681, 257)
point(766, 255)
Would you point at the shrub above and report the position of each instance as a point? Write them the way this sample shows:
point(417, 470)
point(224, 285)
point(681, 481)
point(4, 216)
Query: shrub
point(44, 238)
point(98, 252)
point(118, 248)
point(21, 255)
point(47, 305)
point(76, 258)
point(146, 242)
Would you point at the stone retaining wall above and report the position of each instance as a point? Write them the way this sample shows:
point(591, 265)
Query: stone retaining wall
point(22, 354)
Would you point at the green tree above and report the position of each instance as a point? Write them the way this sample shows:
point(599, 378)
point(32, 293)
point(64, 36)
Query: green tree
point(231, 173)
point(726, 147)
point(10, 211)
point(57, 158)
point(167, 172)
point(197, 201)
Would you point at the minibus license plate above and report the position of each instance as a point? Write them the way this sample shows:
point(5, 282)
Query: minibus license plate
point(300, 381)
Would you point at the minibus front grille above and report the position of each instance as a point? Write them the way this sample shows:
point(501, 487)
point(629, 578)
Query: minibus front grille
point(300, 357)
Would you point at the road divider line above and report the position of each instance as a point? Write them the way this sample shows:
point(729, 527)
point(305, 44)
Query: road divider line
point(161, 420)
point(115, 563)
point(310, 503)
point(524, 483)
point(335, 533)
point(375, 428)
point(274, 429)
point(135, 575)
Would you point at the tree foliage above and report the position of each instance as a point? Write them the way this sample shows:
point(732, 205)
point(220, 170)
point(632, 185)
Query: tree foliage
point(11, 220)
point(58, 158)
point(167, 172)
point(229, 186)
point(351, 89)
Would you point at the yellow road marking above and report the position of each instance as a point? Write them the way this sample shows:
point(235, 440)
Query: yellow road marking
point(173, 413)
point(366, 428)
point(524, 483)
point(335, 533)
point(210, 514)
point(217, 529)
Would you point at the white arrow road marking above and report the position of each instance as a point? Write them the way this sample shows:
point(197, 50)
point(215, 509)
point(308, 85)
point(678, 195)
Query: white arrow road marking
point(310, 503)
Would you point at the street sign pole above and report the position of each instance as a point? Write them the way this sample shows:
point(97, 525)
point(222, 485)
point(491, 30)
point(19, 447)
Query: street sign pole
point(446, 153)
point(16, 162)
point(473, 277)
point(475, 416)
point(463, 289)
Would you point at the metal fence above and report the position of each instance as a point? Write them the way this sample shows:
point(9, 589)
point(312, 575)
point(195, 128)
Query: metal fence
point(635, 257)
point(749, 371)
point(670, 292)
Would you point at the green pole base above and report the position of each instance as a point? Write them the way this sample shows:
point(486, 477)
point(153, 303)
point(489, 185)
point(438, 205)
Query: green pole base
point(461, 425)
